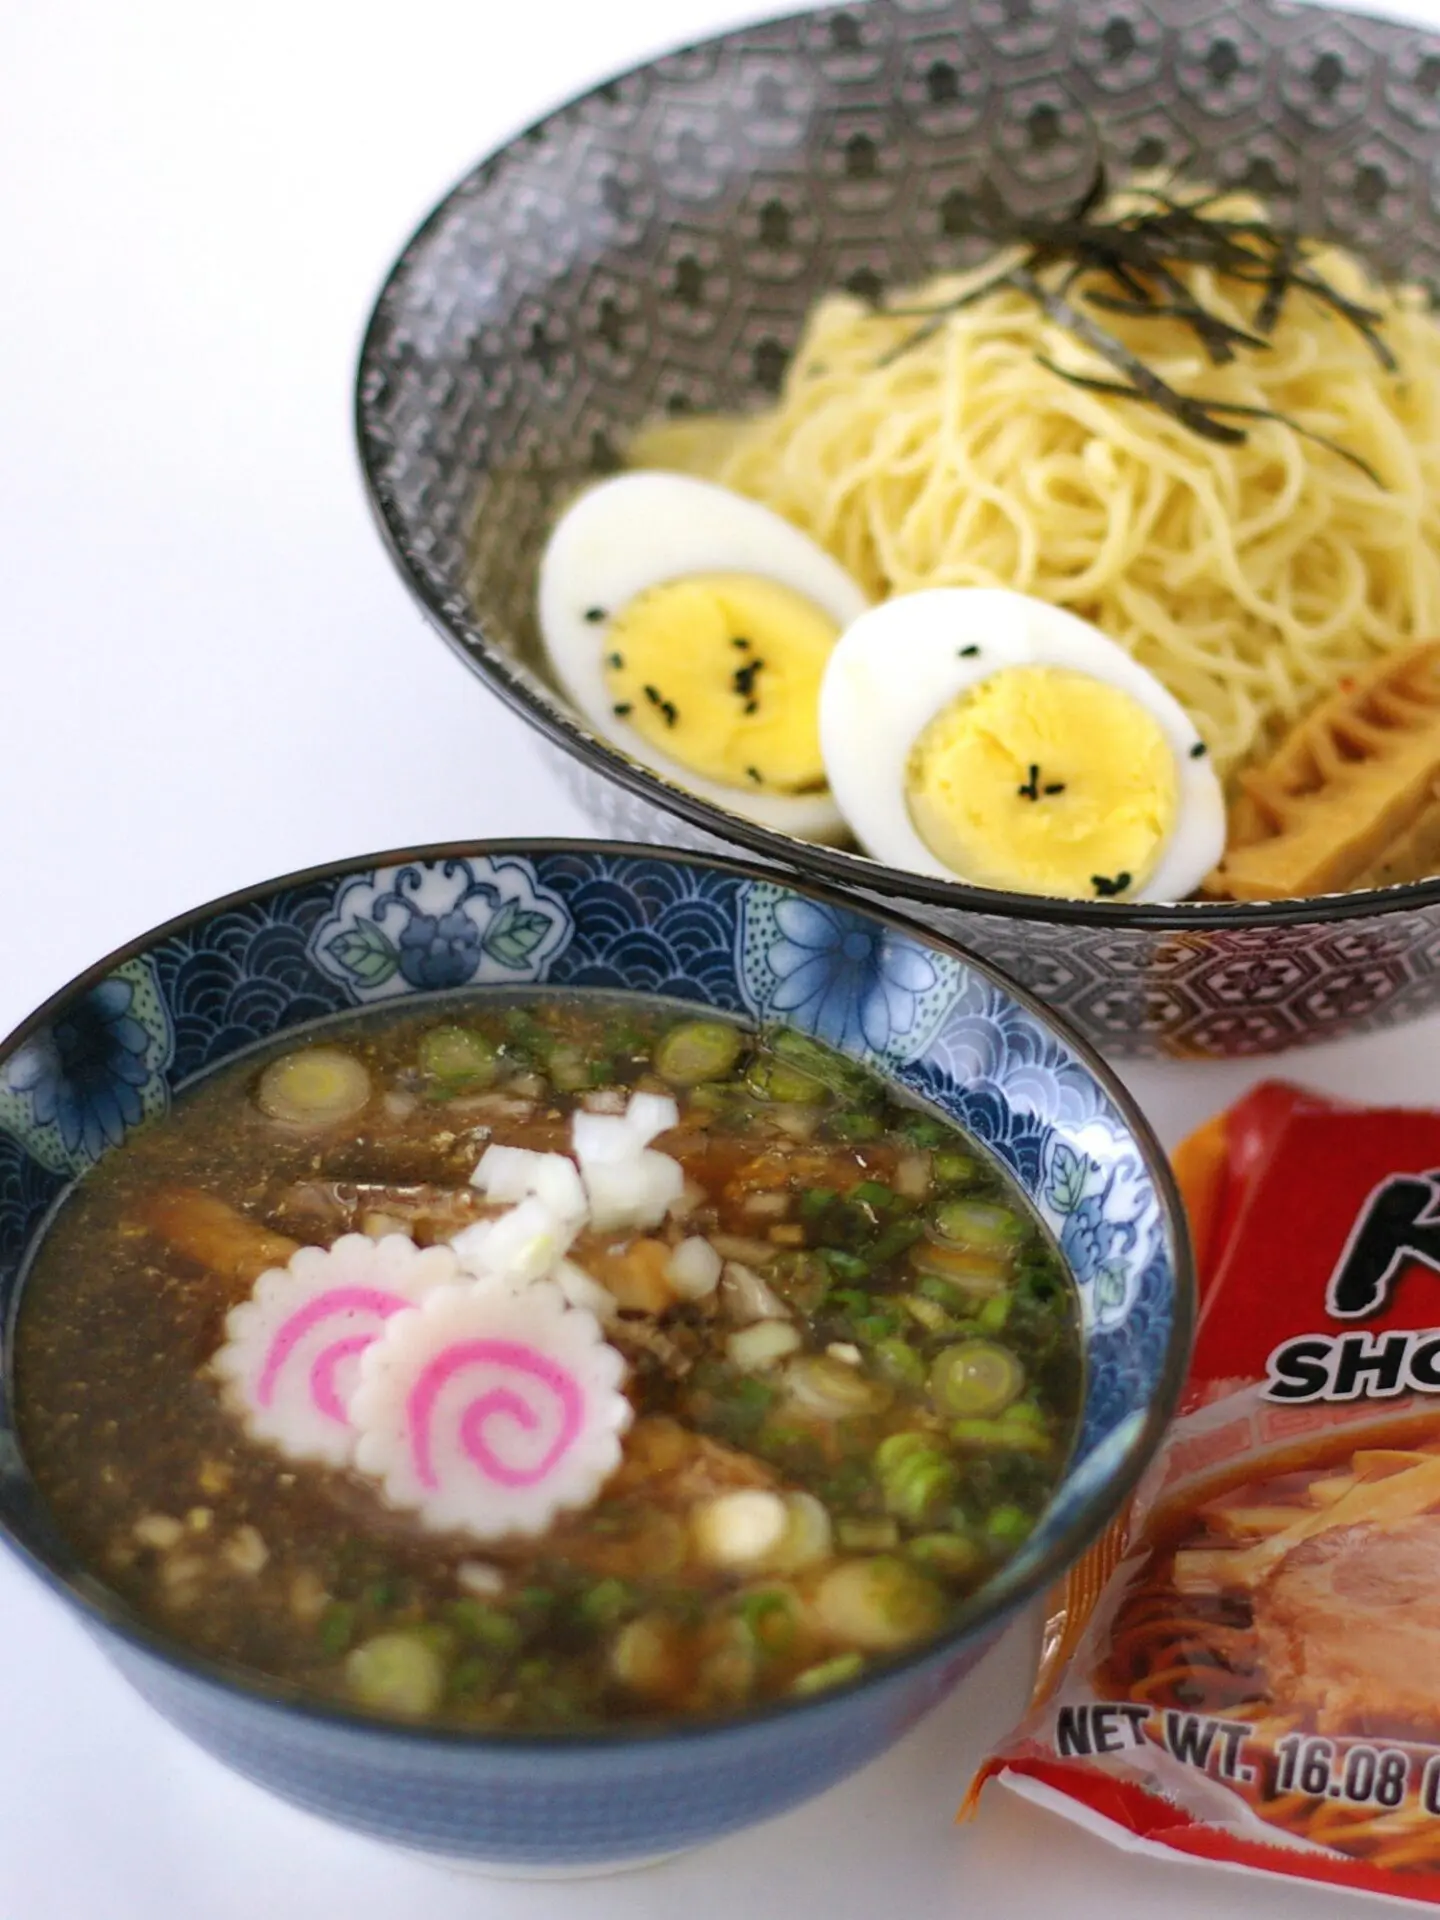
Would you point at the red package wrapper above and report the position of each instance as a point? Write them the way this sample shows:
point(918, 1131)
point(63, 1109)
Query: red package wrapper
point(1246, 1669)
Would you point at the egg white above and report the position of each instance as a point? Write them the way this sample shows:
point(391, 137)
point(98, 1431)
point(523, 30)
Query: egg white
point(638, 529)
point(901, 664)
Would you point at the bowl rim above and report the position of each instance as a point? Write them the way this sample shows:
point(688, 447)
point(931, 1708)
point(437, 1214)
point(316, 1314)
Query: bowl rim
point(498, 670)
point(990, 1607)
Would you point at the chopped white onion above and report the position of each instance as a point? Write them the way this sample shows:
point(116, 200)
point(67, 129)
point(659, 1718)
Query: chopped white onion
point(767, 1205)
point(755, 1348)
point(694, 1269)
point(512, 1174)
point(747, 1297)
point(479, 1577)
point(522, 1245)
point(634, 1192)
point(582, 1291)
point(600, 1139)
point(651, 1114)
point(912, 1175)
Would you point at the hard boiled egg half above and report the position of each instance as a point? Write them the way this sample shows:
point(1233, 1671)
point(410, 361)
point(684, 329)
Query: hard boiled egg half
point(978, 734)
point(692, 628)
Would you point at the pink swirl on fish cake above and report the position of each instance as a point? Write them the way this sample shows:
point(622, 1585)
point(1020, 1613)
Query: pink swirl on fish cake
point(292, 1351)
point(490, 1409)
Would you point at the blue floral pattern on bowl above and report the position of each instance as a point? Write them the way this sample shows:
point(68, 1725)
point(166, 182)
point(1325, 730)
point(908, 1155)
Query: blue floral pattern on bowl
point(78, 1085)
point(842, 976)
point(1096, 1190)
point(440, 924)
point(124, 1040)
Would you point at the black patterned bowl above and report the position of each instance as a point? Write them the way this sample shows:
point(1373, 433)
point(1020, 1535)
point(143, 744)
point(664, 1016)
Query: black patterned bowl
point(655, 246)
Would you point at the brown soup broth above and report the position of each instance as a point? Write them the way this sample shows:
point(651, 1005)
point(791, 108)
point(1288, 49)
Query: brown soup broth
point(929, 1409)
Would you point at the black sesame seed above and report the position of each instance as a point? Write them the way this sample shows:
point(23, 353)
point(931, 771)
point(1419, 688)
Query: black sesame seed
point(1106, 888)
point(743, 645)
point(614, 660)
point(1031, 788)
point(621, 711)
point(1197, 752)
point(752, 706)
point(652, 694)
point(594, 614)
point(1056, 786)
point(670, 711)
point(754, 773)
point(968, 653)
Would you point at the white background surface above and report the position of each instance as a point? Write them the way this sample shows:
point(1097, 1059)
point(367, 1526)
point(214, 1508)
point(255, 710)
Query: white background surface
point(211, 675)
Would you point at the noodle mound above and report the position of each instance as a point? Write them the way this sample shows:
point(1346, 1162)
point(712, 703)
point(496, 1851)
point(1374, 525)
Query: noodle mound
point(1248, 578)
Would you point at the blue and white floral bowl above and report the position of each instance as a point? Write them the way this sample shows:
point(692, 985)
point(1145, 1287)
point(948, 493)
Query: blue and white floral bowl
point(114, 1047)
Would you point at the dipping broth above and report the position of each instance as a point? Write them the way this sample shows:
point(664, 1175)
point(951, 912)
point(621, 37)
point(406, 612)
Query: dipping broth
point(850, 1350)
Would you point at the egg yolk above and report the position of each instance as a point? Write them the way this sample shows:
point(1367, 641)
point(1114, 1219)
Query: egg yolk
point(722, 673)
point(1044, 780)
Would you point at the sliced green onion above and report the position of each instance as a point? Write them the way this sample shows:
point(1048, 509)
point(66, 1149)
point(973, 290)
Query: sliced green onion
point(459, 1058)
point(569, 1068)
point(975, 1379)
point(951, 1555)
point(920, 1487)
point(944, 1293)
point(1010, 1525)
point(873, 1193)
point(607, 1603)
point(317, 1087)
point(900, 1362)
point(821, 1063)
point(472, 1678)
point(928, 1314)
point(977, 1274)
point(856, 1127)
point(772, 1080)
point(954, 1169)
point(1007, 1434)
point(832, 1389)
point(336, 1629)
point(829, 1673)
point(979, 1224)
point(899, 1235)
point(698, 1050)
point(396, 1673)
point(814, 1203)
point(898, 1447)
point(878, 1605)
point(863, 1535)
point(845, 1266)
point(770, 1619)
point(994, 1313)
point(487, 1626)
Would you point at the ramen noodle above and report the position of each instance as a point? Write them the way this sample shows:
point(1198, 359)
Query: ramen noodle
point(1247, 1668)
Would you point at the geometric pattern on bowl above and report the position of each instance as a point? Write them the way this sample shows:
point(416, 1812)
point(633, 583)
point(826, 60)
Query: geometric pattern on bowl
point(654, 247)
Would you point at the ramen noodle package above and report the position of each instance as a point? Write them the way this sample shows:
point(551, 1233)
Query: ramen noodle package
point(1246, 1670)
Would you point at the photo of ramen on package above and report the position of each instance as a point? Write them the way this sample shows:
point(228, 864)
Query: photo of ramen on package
point(1247, 1668)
